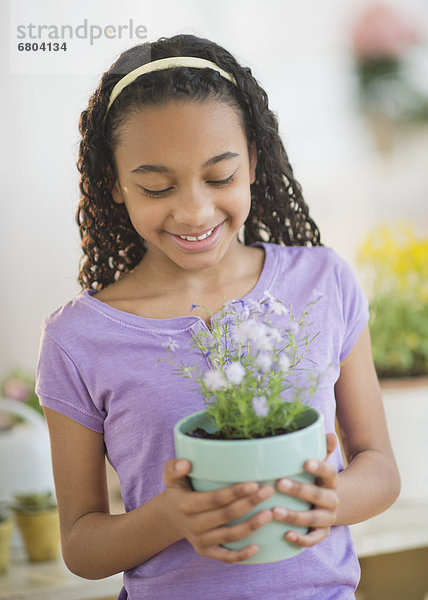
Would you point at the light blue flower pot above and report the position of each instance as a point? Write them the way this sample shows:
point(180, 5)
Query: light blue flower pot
point(221, 463)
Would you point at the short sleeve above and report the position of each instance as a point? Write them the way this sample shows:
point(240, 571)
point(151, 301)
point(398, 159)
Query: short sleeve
point(59, 385)
point(355, 307)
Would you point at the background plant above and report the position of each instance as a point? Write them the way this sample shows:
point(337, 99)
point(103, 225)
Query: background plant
point(5, 512)
point(383, 42)
point(248, 391)
point(19, 385)
point(395, 259)
point(35, 502)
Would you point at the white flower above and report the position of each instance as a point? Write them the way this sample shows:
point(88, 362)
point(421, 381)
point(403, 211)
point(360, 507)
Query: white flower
point(263, 361)
point(277, 308)
point(255, 307)
point(235, 372)
point(284, 362)
point(260, 406)
point(263, 343)
point(214, 380)
point(248, 331)
point(274, 335)
point(171, 344)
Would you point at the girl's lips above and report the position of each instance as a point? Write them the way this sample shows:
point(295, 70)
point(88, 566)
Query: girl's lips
point(198, 245)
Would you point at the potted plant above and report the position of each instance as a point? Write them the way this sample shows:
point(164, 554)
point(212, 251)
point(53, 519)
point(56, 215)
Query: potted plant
point(6, 527)
point(257, 424)
point(394, 259)
point(37, 518)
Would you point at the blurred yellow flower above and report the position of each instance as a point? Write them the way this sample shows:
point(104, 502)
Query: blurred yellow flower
point(396, 260)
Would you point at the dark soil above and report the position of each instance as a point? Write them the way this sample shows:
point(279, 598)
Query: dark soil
point(199, 432)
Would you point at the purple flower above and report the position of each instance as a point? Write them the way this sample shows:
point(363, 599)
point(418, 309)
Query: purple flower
point(171, 344)
point(16, 390)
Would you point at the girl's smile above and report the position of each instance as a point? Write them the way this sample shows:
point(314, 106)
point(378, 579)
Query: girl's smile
point(198, 242)
point(184, 175)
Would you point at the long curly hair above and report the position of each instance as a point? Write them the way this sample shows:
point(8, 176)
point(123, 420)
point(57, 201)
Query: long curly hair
point(110, 244)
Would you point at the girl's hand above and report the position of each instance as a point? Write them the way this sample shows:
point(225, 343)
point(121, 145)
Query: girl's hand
point(323, 496)
point(201, 517)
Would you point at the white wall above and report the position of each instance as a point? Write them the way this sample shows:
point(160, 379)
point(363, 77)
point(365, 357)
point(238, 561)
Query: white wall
point(299, 53)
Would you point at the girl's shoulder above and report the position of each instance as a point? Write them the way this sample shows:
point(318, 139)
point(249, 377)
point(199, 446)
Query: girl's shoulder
point(305, 265)
point(319, 256)
point(69, 318)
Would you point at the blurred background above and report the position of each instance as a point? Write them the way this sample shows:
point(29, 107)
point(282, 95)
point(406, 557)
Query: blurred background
point(349, 83)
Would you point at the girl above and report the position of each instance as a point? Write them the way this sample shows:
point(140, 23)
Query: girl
point(188, 198)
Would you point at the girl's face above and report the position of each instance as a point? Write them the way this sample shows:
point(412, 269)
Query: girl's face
point(184, 175)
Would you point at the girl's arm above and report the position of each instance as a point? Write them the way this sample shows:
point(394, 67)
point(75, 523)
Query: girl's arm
point(96, 544)
point(371, 482)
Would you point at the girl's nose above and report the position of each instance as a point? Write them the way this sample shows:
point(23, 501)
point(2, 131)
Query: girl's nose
point(194, 208)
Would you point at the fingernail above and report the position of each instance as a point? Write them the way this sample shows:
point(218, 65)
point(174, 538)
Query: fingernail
point(264, 517)
point(285, 484)
point(249, 488)
point(280, 511)
point(264, 493)
point(180, 465)
point(312, 465)
point(292, 536)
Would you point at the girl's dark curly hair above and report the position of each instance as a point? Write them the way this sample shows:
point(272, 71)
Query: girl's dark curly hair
point(110, 244)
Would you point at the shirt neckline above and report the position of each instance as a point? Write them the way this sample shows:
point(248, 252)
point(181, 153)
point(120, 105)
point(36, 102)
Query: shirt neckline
point(88, 297)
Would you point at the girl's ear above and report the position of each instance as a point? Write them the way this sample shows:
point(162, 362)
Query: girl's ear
point(116, 192)
point(253, 161)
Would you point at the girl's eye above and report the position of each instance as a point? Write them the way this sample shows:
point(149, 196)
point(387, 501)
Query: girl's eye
point(224, 181)
point(154, 193)
point(158, 193)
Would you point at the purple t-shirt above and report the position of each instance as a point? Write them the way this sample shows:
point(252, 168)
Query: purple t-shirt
point(99, 366)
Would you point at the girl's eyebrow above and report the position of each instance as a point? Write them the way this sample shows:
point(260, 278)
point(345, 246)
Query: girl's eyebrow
point(162, 169)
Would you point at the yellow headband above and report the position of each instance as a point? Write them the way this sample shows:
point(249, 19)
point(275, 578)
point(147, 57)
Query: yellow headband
point(165, 63)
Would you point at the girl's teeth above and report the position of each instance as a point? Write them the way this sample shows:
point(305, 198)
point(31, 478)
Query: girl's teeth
point(200, 237)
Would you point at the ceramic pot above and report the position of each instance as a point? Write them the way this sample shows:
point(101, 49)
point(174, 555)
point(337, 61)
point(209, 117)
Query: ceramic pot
point(6, 528)
point(40, 532)
point(221, 463)
point(28, 443)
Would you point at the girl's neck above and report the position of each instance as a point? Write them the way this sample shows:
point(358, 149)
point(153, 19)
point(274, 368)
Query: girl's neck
point(159, 275)
point(147, 291)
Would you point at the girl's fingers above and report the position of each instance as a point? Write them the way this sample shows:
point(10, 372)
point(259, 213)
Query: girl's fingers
point(324, 471)
point(234, 533)
point(231, 556)
point(225, 501)
point(175, 476)
point(308, 539)
point(331, 440)
point(220, 515)
point(322, 496)
point(317, 495)
point(306, 518)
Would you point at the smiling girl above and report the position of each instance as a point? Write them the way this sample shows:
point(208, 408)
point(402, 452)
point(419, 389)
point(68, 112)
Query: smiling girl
point(187, 197)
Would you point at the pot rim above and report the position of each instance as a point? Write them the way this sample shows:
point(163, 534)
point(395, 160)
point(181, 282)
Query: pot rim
point(242, 443)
